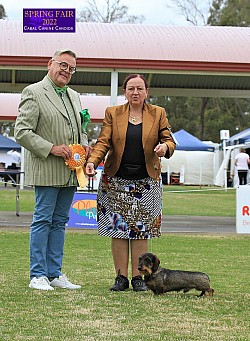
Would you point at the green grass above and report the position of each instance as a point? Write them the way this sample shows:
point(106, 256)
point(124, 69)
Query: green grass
point(205, 201)
point(8, 199)
point(177, 200)
point(95, 313)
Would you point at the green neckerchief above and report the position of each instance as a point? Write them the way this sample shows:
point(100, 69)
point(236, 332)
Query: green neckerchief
point(57, 88)
point(61, 90)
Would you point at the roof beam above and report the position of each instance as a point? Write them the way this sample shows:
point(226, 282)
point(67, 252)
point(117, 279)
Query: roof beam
point(172, 92)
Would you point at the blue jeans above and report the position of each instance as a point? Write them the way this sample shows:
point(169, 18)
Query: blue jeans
point(47, 232)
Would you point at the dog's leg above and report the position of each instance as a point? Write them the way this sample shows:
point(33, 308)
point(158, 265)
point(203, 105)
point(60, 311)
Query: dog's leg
point(201, 294)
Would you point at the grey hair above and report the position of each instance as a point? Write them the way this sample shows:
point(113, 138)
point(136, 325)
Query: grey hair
point(59, 52)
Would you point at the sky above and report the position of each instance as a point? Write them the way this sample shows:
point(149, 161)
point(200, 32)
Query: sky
point(156, 12)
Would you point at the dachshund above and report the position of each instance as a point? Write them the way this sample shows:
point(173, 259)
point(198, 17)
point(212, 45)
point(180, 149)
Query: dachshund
point(161, 280)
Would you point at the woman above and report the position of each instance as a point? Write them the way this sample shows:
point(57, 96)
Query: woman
point(133, 138)
point(242, 162)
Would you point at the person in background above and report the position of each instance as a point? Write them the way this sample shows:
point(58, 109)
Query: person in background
point(129, 202)
point(15, 156)
point(48, 122)
point(241, 162)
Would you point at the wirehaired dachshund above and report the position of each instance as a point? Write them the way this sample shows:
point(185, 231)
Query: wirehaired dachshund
point(161, 280)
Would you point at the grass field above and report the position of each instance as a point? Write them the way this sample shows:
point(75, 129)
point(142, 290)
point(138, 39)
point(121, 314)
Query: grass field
point(95, 313)
point(177, 200)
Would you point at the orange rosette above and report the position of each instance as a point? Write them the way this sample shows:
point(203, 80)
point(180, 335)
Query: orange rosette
point(76, 162)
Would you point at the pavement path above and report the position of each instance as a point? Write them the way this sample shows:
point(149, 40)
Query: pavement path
point(171, 224)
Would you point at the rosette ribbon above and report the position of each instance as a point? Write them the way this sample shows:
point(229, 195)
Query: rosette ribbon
point(77, 162)
point(85, 118)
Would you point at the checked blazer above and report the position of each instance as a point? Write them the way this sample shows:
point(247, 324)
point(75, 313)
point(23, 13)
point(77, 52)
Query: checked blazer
point(43, 122)
point(112, 139)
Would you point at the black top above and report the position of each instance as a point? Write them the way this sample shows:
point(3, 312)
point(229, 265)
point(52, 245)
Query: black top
point(133, 165)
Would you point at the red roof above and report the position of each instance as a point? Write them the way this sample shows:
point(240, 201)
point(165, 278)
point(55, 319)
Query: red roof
point(203, 61)
point(132, 46)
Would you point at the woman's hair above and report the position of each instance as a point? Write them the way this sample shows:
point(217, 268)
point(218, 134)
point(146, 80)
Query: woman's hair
point(131, 76)
point(242, 150)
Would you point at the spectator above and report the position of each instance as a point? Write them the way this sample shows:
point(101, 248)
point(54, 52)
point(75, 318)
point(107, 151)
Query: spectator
point(241, 162)
point(15, 156)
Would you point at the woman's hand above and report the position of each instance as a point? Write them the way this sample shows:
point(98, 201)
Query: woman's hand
point(161, 149)
point(90, 169)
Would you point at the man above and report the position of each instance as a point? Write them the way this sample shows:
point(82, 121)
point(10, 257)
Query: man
point(15, 156)
point(48, 122)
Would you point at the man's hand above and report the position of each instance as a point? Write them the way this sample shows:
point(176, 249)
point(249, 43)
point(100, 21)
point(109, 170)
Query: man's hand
point(88, 151)
point(62, 150)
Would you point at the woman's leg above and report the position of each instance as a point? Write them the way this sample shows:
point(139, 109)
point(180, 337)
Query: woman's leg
point(244, 178)
point(138, 247)
point(240, 175)
point(120, 252)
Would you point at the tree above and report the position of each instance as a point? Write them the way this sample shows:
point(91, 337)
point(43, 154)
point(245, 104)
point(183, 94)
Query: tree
point(182, 112)
point(226, 113)
point(111, 11)
point(3, 14)
point(230, 13)
point(194, 11)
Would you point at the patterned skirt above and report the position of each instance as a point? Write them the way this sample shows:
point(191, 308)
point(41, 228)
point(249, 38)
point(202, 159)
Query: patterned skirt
point(129, 209)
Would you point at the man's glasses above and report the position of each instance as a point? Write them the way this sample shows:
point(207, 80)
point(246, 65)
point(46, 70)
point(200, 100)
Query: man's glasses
point(65, 66)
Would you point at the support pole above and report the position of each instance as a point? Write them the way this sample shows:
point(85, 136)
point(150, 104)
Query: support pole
point(114, 88)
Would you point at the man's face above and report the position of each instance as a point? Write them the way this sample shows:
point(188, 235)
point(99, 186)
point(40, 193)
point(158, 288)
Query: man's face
point(57, 75)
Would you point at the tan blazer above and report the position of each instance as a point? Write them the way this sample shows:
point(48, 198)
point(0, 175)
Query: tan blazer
point(43, 122)
point(113, 137)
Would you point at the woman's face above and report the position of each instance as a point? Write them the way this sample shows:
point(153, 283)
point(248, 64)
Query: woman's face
point(135, 91)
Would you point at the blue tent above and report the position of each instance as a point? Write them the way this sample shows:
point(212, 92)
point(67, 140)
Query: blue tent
point(189, 142)
point(240, 138)
point(8, 144)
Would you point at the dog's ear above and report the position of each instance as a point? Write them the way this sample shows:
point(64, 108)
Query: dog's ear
point(156, 263)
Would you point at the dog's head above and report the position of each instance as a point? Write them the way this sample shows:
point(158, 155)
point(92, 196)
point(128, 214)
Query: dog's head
point(148, 263)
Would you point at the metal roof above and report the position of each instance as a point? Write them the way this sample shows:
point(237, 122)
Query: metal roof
point(96, 104)
point(177, 61)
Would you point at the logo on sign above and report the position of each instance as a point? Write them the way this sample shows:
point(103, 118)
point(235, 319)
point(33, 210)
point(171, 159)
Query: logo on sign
point(85, 208)
point(49, 20)
point(245, 210)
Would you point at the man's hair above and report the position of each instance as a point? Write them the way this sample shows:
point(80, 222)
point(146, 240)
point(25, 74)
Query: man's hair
point(59, 52)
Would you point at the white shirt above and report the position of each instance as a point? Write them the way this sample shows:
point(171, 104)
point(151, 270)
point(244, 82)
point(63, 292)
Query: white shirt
point(16, 157)
point(242, 161)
